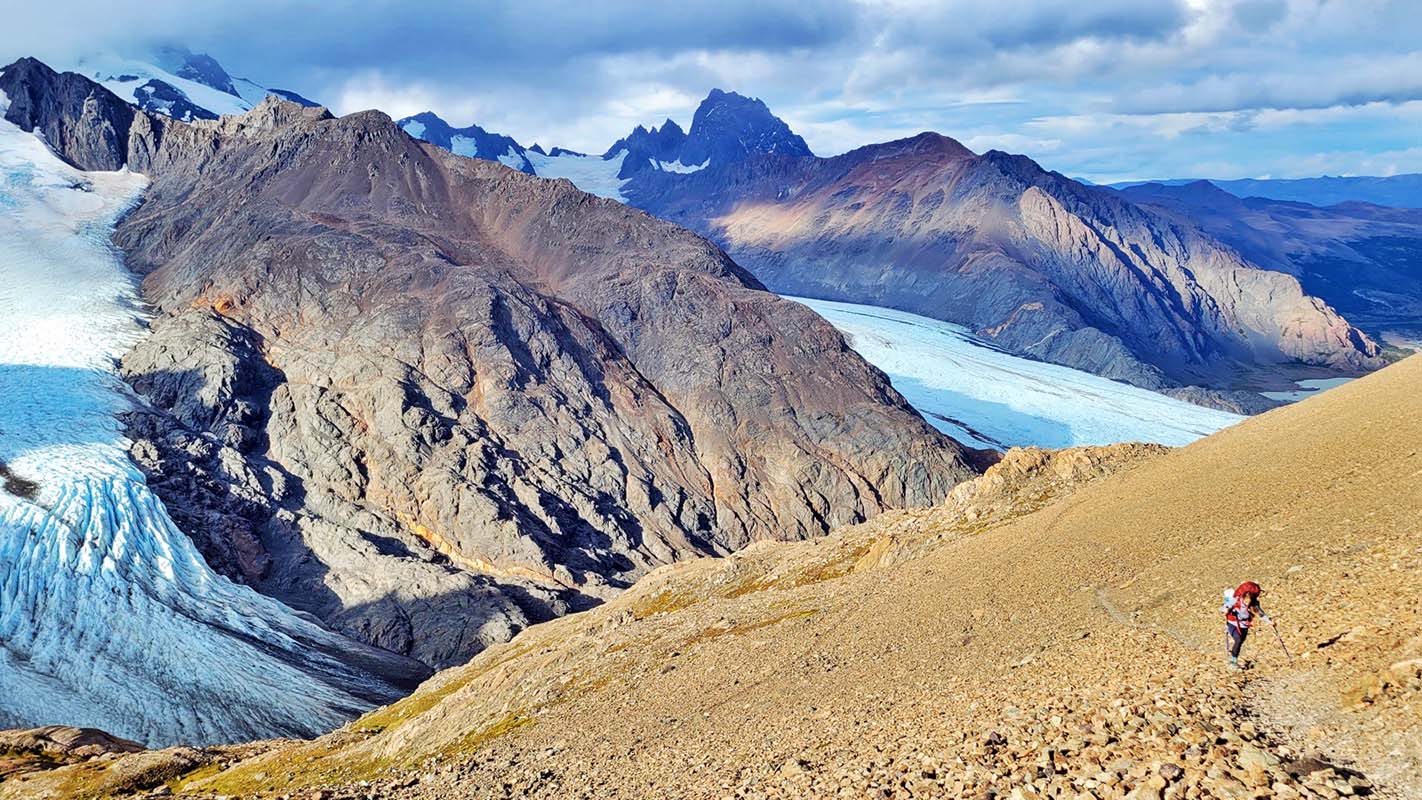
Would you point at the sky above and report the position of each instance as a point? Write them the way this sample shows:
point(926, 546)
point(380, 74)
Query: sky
point(1100, 89)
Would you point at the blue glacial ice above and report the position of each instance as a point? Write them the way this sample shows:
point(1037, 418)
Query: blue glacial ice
point(984, 397)
point(109, 617)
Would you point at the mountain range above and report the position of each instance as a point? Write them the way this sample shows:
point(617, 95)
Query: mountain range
point(1036, 263)
point(430, 400)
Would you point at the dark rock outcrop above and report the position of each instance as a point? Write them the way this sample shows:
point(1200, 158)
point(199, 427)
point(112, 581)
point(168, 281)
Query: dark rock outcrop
point(161, 97)
point(430, 399)
point(85, 124)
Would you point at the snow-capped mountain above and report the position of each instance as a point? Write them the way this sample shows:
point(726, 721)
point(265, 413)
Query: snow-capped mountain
point(599, 175)
point(727, 127)
point(178, 83)
point(473, 141)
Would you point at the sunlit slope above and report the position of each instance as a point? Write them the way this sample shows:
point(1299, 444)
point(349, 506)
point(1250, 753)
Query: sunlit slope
point(1052, 627)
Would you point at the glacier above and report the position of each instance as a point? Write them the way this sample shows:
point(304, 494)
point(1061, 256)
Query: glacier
point(987, 398)
point(109, 616)
point(592, 174)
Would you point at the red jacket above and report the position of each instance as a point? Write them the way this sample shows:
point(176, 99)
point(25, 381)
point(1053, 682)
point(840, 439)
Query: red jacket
point(1242, 613)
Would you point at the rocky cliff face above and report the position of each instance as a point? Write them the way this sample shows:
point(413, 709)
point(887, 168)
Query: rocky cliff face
point(430, 399)
point(1362, 259)
point(1036, 262)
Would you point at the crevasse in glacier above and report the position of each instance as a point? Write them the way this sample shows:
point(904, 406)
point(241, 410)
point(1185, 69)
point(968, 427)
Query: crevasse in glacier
point(109, 617)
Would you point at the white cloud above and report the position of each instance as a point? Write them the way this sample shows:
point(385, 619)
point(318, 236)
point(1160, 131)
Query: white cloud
point(1096, 88)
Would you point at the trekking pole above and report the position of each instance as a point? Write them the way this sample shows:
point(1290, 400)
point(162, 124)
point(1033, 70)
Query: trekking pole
point(1277, 635)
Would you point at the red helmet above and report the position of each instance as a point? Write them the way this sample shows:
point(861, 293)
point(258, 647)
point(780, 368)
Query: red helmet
point(1248, 587)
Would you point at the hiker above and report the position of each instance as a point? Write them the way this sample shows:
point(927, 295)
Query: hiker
point(1241, 610)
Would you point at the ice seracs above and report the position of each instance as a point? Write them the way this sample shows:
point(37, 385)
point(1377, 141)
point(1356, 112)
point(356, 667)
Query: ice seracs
point(109, 617)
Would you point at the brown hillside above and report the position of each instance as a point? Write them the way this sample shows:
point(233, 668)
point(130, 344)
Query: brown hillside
point(1049, 631)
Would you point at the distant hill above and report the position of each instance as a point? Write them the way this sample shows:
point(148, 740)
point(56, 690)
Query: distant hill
point(1398, 191)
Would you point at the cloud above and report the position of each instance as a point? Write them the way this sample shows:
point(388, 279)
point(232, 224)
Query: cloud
point(1096, 88)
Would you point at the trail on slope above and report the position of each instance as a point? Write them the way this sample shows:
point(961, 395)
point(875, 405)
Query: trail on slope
point(971, 647)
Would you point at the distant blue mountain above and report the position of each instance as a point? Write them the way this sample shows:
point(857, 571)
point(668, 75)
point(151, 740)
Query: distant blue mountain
point(727, 127)
point(1397, 191)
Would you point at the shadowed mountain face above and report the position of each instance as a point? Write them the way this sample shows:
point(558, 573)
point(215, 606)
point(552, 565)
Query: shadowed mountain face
point(473, 141)
point(1034, 261)
point(1364, 260)
point(431, 399)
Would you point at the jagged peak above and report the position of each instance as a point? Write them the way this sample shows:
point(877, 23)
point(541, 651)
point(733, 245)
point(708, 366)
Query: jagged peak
point(275, 112)
point(30, 64)
point(729, 126)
